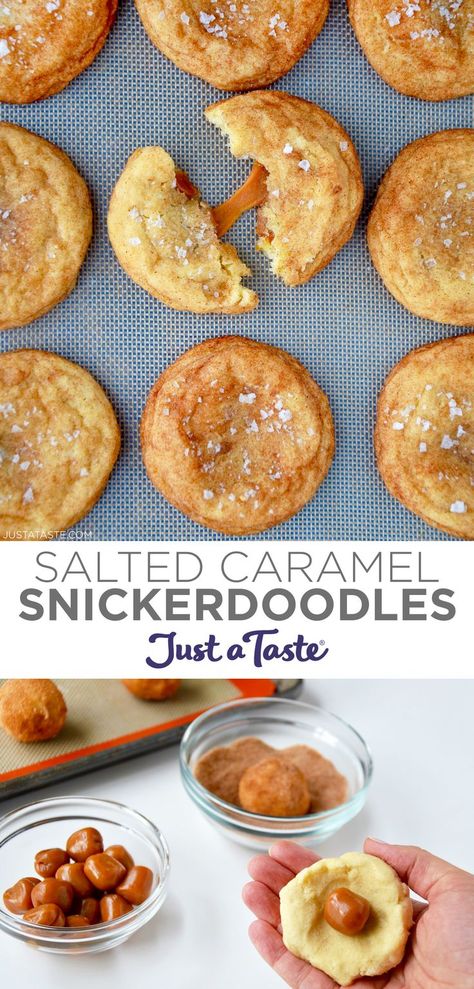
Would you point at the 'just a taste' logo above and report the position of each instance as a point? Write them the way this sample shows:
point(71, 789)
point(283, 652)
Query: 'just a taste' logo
point(258, 646)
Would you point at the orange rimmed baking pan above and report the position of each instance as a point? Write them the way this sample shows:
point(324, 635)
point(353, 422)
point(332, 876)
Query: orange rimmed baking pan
point(106, 724)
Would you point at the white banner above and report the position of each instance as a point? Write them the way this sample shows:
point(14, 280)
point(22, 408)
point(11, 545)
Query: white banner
point(240, 609)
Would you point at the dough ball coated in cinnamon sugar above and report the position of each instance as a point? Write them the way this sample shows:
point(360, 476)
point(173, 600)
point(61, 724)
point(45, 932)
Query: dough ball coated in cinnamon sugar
point(275, 788)
point(152, 690)
point(32, 710)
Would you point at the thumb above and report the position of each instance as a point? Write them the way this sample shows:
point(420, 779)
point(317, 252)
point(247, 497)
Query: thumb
point(420, 870)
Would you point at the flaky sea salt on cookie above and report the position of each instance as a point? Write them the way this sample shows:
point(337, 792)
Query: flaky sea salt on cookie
point(424, 435)
point(43, 45)
point(237, 435)
point(347, 955)
point(421, 229)
point(423, 48)
point(314, 184)
point(59, 440)
point(233, 44)
point(45, 225)
point(165, 238)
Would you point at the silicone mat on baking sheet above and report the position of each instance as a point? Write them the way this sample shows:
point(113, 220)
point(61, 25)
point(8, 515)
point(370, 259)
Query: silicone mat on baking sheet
point(106, 724)
point(343, 325)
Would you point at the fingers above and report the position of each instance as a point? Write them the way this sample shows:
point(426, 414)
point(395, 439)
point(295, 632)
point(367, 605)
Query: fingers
point(262, 902)
point(298, 974)
point(277, 868)
point(291, 856)
point(420, 870)
point(269, 872)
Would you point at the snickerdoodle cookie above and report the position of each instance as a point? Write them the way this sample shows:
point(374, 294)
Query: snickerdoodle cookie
point(424, 436)
point(423, 48)
point(421, 229)
point(380, 943)
point(165, 238)
point(59, 440)
point(45, 225)
point(314, 183)
point(45, 45)
point(237, 435)
point(305, 182)
point(233, 44)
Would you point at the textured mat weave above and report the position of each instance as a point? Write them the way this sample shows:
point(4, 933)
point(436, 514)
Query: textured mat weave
point(343, 325)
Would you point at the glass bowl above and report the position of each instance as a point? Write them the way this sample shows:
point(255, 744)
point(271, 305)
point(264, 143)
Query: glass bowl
point(48, 824)
point(280, 723)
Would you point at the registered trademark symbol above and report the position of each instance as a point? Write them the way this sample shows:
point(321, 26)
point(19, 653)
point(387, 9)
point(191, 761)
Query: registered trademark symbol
point(322, 642)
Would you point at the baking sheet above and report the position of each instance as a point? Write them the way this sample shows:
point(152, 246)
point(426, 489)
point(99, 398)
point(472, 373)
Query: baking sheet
point(343, 325)
point(106, 724)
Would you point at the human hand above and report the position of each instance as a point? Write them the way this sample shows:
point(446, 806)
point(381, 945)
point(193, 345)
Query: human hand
point(440, 952)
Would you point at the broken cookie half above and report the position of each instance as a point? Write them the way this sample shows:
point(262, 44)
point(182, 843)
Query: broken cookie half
point(165, 238)
point(305, 182)
point(314, 181)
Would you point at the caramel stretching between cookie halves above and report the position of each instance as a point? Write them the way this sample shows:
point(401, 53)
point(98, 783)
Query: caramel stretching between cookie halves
point(251, 193)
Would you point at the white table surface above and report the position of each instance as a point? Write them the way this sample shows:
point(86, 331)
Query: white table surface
point(422, 739)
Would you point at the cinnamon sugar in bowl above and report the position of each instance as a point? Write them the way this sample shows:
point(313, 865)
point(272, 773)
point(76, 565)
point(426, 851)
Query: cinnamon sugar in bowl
point(246, 731)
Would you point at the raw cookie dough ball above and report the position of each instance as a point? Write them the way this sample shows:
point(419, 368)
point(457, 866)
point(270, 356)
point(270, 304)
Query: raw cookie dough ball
point(424, 434)
point(59, 440)
point(423, 49)
point(381, 944)
point(32, 710)
point(421, 229)
point(45, 225)
point(237, 435)
point(275, 788)
point(45, 45)
point(234, 44)
point(152, 690)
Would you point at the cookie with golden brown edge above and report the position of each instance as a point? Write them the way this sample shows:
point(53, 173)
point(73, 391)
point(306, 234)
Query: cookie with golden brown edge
point(45, 225)
point(423, 48)
point(43, 46)
point(165, 238)
point(237, 435)
point(59, 440)
point(233, 44)
point(424, 436)
point(314, 182)
point(421, 229)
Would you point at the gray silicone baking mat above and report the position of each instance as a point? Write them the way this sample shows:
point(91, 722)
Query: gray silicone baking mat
point(343, 325)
